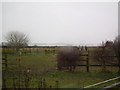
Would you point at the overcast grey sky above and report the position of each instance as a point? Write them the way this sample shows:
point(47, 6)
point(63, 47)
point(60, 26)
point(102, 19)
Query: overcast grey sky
point(86, 23)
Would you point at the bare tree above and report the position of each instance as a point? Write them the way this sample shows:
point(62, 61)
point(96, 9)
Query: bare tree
point(117, 49)
point(117, 45)
point(99, 53)
point(105, 54)
point(17, 39)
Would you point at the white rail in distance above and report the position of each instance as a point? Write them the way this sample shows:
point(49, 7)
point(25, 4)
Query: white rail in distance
point(101, 82)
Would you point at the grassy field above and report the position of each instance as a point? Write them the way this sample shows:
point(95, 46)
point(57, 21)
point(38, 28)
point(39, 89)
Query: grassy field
point(66, 79)
point(44, 66)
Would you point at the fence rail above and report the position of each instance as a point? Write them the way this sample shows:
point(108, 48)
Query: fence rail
point(111, 86)
point(99, 65)
point(104, 82)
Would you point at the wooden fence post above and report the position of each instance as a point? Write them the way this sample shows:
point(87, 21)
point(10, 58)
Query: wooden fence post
point(57, 83)
point(50, 86)
point(6, 65)
point(14, 85)
point(44, 83)
point(87, 62)
point(3, 81)
point(19, 61)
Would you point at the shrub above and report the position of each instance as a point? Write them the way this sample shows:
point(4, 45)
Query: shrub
point(67, 58)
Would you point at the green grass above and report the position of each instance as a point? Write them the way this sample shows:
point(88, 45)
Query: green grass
point(37, 61)
point(67, 79)
point(43, 66)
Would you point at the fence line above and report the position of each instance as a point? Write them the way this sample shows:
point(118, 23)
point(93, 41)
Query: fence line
point(113, 85)
point(101, 82)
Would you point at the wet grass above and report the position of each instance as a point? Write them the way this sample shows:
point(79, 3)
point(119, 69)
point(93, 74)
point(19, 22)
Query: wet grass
point(66, 79)
point(44, 66)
